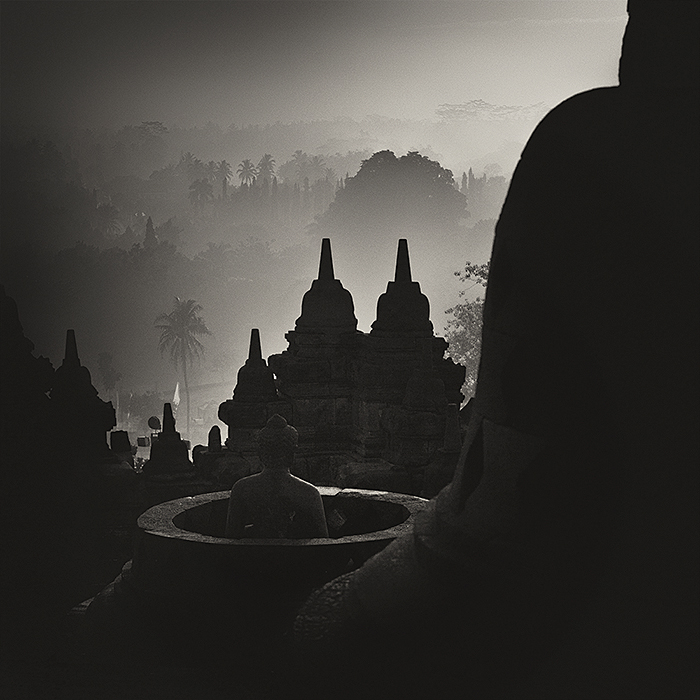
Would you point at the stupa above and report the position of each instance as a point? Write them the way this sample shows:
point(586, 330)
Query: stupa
point(339, 385)
point(80, 418)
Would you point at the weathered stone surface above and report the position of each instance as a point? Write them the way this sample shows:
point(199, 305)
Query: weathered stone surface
point(376, 474)
point(338, 383)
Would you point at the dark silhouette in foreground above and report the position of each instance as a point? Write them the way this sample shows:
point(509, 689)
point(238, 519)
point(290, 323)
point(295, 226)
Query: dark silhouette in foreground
point(562, 560)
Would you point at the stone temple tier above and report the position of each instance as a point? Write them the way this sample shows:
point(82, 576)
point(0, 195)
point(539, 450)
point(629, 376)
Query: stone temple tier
point(349, 394)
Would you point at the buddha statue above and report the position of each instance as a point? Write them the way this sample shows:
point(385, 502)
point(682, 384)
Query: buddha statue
point(274, 503)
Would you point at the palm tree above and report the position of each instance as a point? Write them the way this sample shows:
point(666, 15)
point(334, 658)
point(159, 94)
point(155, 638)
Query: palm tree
point(178, 334)
point(266, 168)
point(201, 191)
point(316, 167)
point(300, 161)
point(247, 172)
point(210, 170)
point(195, 169)
point(224, 173)
point(107, 216)
point(185, 162)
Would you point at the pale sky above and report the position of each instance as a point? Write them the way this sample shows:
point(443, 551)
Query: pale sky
point(188, 62)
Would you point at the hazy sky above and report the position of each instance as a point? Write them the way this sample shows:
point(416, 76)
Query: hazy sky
point(189, 62)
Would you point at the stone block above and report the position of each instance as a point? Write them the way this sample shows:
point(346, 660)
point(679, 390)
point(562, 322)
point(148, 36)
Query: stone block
point(312, 412)
point(343, 410)
point(412, 452)
point(377, 475)
point(310, 370)
point(401, 422)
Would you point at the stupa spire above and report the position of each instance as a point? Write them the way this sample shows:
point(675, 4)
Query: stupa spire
point(71, 358)
point(255, 350)
point(403, 309)
point(327, 307)
point(168, 418)
point(403, 263)
point(255, 379)
point(325, 266)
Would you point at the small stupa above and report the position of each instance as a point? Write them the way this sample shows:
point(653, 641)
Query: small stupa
point(169, 452)
point(255, 398)
point(403, 309)
point(327, 307)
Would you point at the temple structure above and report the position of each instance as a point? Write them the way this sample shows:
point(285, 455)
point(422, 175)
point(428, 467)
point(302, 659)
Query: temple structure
point(369, 407)
point(80, 416)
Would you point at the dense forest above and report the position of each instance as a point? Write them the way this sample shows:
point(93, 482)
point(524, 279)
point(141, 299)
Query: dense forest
point(101, 234)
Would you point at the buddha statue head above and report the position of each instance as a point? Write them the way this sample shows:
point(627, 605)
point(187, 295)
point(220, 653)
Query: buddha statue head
point(277, 442)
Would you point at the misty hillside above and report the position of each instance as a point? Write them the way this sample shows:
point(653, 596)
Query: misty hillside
point(102, 230)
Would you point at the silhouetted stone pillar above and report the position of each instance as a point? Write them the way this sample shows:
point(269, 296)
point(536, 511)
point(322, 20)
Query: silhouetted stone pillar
point(255, 400)
point(327, 308)
point(214, 439)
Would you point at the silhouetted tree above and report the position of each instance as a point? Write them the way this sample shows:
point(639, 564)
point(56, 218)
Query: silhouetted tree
point(316, 168)
point(266, 168)
point(300, 163)
point(201, 192)
point(152, 129)
point(211, 170)
point(463, 331)
point(108, 374)
point(247, 171)
point(107, 216)
point(224, 173)
point(394, 194)
point(178, 334)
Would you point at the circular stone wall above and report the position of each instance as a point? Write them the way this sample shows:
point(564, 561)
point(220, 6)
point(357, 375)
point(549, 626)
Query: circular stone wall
point(181, 553)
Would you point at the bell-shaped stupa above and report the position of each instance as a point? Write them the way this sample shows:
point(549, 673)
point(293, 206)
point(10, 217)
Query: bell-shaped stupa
point(403, 310)
point(327, 307)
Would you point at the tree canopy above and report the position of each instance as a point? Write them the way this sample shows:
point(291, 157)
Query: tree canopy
point(463, 331)
point(178, 334)
point(397, 193)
